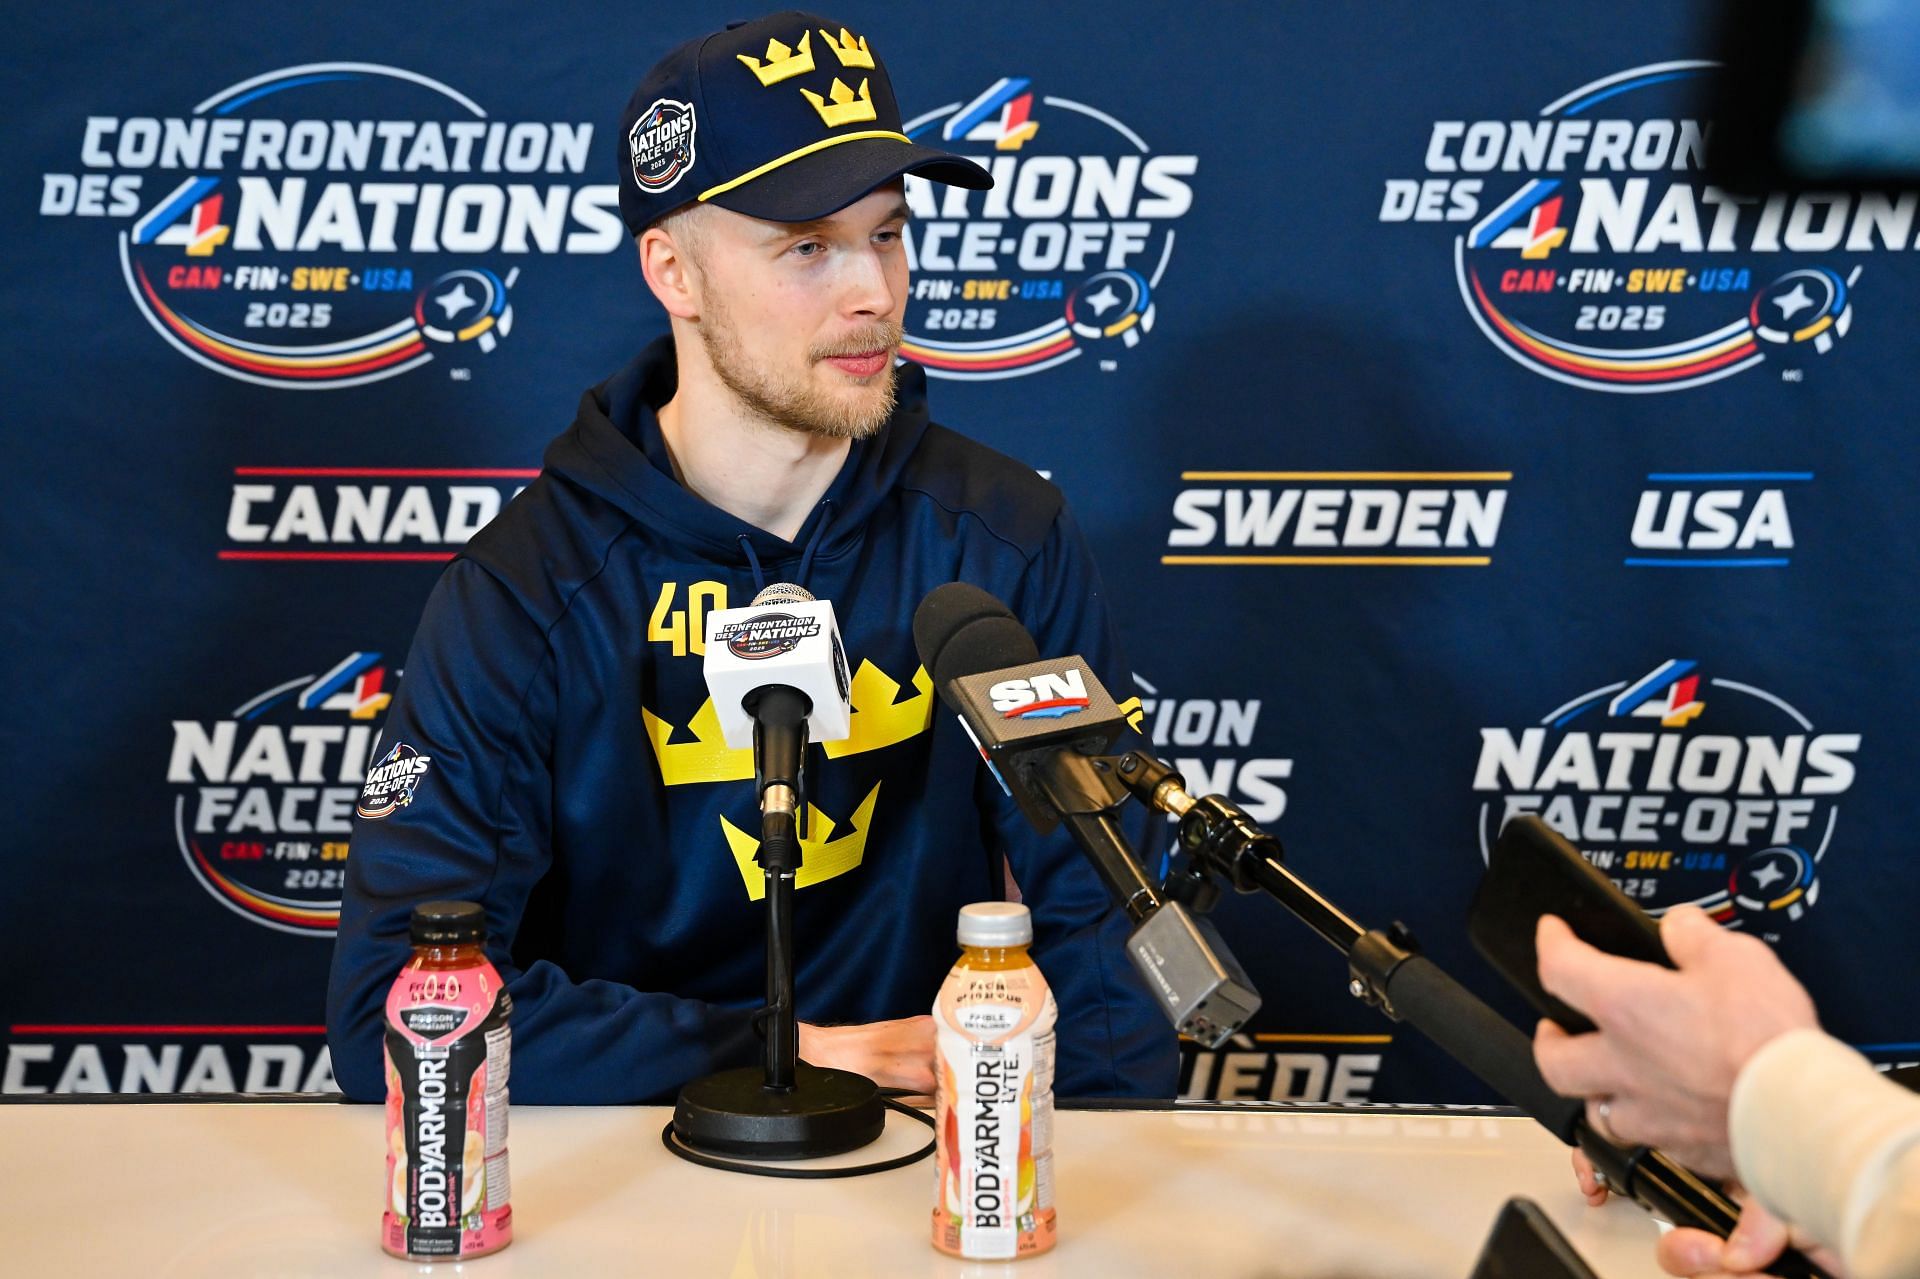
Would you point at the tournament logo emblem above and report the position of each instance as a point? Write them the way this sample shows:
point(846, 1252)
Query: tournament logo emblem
point(334, 224)
point(767, 635)
point(265, 795)
point(1066, 253)
point(391, 783)
point(1682, 787)
point(1594, 253)
point(661, 145)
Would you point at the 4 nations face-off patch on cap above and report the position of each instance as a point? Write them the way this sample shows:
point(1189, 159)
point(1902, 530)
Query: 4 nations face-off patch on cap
point(787, 118)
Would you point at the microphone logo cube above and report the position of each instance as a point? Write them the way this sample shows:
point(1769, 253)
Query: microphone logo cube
point(797, 645)
point(1053, 701)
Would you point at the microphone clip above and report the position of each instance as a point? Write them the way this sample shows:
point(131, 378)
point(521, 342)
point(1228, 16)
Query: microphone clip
point(1375, 956)
point(1214, 833)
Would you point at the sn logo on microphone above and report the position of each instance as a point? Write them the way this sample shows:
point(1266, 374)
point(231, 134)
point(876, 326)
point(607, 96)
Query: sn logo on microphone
point(1048, 695)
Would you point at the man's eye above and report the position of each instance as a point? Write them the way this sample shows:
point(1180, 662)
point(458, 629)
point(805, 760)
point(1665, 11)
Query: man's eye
point(809, 249)
point(886, 237)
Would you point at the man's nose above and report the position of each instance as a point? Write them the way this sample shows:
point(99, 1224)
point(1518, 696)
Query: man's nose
point(867, 290)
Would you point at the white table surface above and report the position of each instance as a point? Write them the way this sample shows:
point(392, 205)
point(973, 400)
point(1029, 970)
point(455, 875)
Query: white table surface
point(242, 1188)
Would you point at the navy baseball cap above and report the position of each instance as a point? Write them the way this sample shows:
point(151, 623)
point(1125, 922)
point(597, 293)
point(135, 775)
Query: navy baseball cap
point(787, 118)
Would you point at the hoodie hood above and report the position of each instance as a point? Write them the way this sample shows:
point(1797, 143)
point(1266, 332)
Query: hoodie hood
point(615, 450)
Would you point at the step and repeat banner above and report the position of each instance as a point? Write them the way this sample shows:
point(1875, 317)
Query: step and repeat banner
point(1450, 446)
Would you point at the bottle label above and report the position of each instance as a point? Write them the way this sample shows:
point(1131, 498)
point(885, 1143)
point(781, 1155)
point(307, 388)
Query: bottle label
point(994, 1114)
point(447, 1051)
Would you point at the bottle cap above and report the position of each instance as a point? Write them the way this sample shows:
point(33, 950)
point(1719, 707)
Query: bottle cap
point(448, 924)
point(995, 924)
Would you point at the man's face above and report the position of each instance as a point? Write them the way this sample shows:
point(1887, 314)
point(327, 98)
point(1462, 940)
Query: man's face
point(802, 321)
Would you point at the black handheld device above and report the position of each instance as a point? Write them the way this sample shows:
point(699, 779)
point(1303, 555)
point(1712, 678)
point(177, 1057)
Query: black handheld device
point(1533, 871)
point(1525, 1244)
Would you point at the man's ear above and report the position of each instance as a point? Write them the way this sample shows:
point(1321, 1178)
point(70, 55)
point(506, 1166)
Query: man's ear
point(670, 272)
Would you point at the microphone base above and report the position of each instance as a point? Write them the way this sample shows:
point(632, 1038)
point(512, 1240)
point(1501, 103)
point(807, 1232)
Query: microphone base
point(734, 1113)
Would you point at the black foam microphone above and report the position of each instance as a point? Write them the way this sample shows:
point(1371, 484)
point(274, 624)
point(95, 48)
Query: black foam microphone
point(1027, 710)
point(1042, 727)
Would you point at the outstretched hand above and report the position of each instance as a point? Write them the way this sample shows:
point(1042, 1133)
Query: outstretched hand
point(1757, 1241)
point(1669, 1043)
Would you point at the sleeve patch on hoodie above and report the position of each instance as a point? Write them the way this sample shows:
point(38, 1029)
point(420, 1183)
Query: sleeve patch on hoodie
point(392, 783)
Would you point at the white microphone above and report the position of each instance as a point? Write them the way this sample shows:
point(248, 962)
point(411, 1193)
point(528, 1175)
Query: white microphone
point(784, 638)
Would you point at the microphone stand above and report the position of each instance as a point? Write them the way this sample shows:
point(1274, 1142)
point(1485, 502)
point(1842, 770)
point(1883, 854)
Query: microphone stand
point(779, 859)
point(783, 1108)
point(1387, 971)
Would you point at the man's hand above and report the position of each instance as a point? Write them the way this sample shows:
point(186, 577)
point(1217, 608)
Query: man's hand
point(894, 1054)
point(1669, 1044)
point(1590, 1184)
point(1756, 1242)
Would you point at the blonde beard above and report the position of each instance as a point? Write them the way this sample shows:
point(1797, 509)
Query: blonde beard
point(798, 404)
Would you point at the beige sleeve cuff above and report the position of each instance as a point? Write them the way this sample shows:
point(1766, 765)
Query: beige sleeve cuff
point(1828, 1143)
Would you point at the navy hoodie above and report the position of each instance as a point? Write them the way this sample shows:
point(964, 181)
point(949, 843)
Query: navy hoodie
point(577, 785)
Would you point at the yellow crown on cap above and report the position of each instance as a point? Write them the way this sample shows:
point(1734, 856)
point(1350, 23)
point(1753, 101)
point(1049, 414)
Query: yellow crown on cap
point(849, 48)
point(848, 107)
point(783, 63)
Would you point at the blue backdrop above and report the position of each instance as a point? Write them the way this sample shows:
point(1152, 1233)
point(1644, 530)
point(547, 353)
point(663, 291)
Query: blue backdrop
point(1450, 447)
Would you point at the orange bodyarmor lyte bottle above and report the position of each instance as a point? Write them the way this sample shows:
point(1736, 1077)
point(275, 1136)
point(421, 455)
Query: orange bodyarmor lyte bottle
point(993, 1095)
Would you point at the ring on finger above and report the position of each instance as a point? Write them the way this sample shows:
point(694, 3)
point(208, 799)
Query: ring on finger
point(1602, 1119)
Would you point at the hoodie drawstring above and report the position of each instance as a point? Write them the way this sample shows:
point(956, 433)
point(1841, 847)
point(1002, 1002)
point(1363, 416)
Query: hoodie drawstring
point(806, 554)
point(819, 531)
point(759, 574)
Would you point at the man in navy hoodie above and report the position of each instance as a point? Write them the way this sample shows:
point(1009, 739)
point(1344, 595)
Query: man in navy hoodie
point(568, 771)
